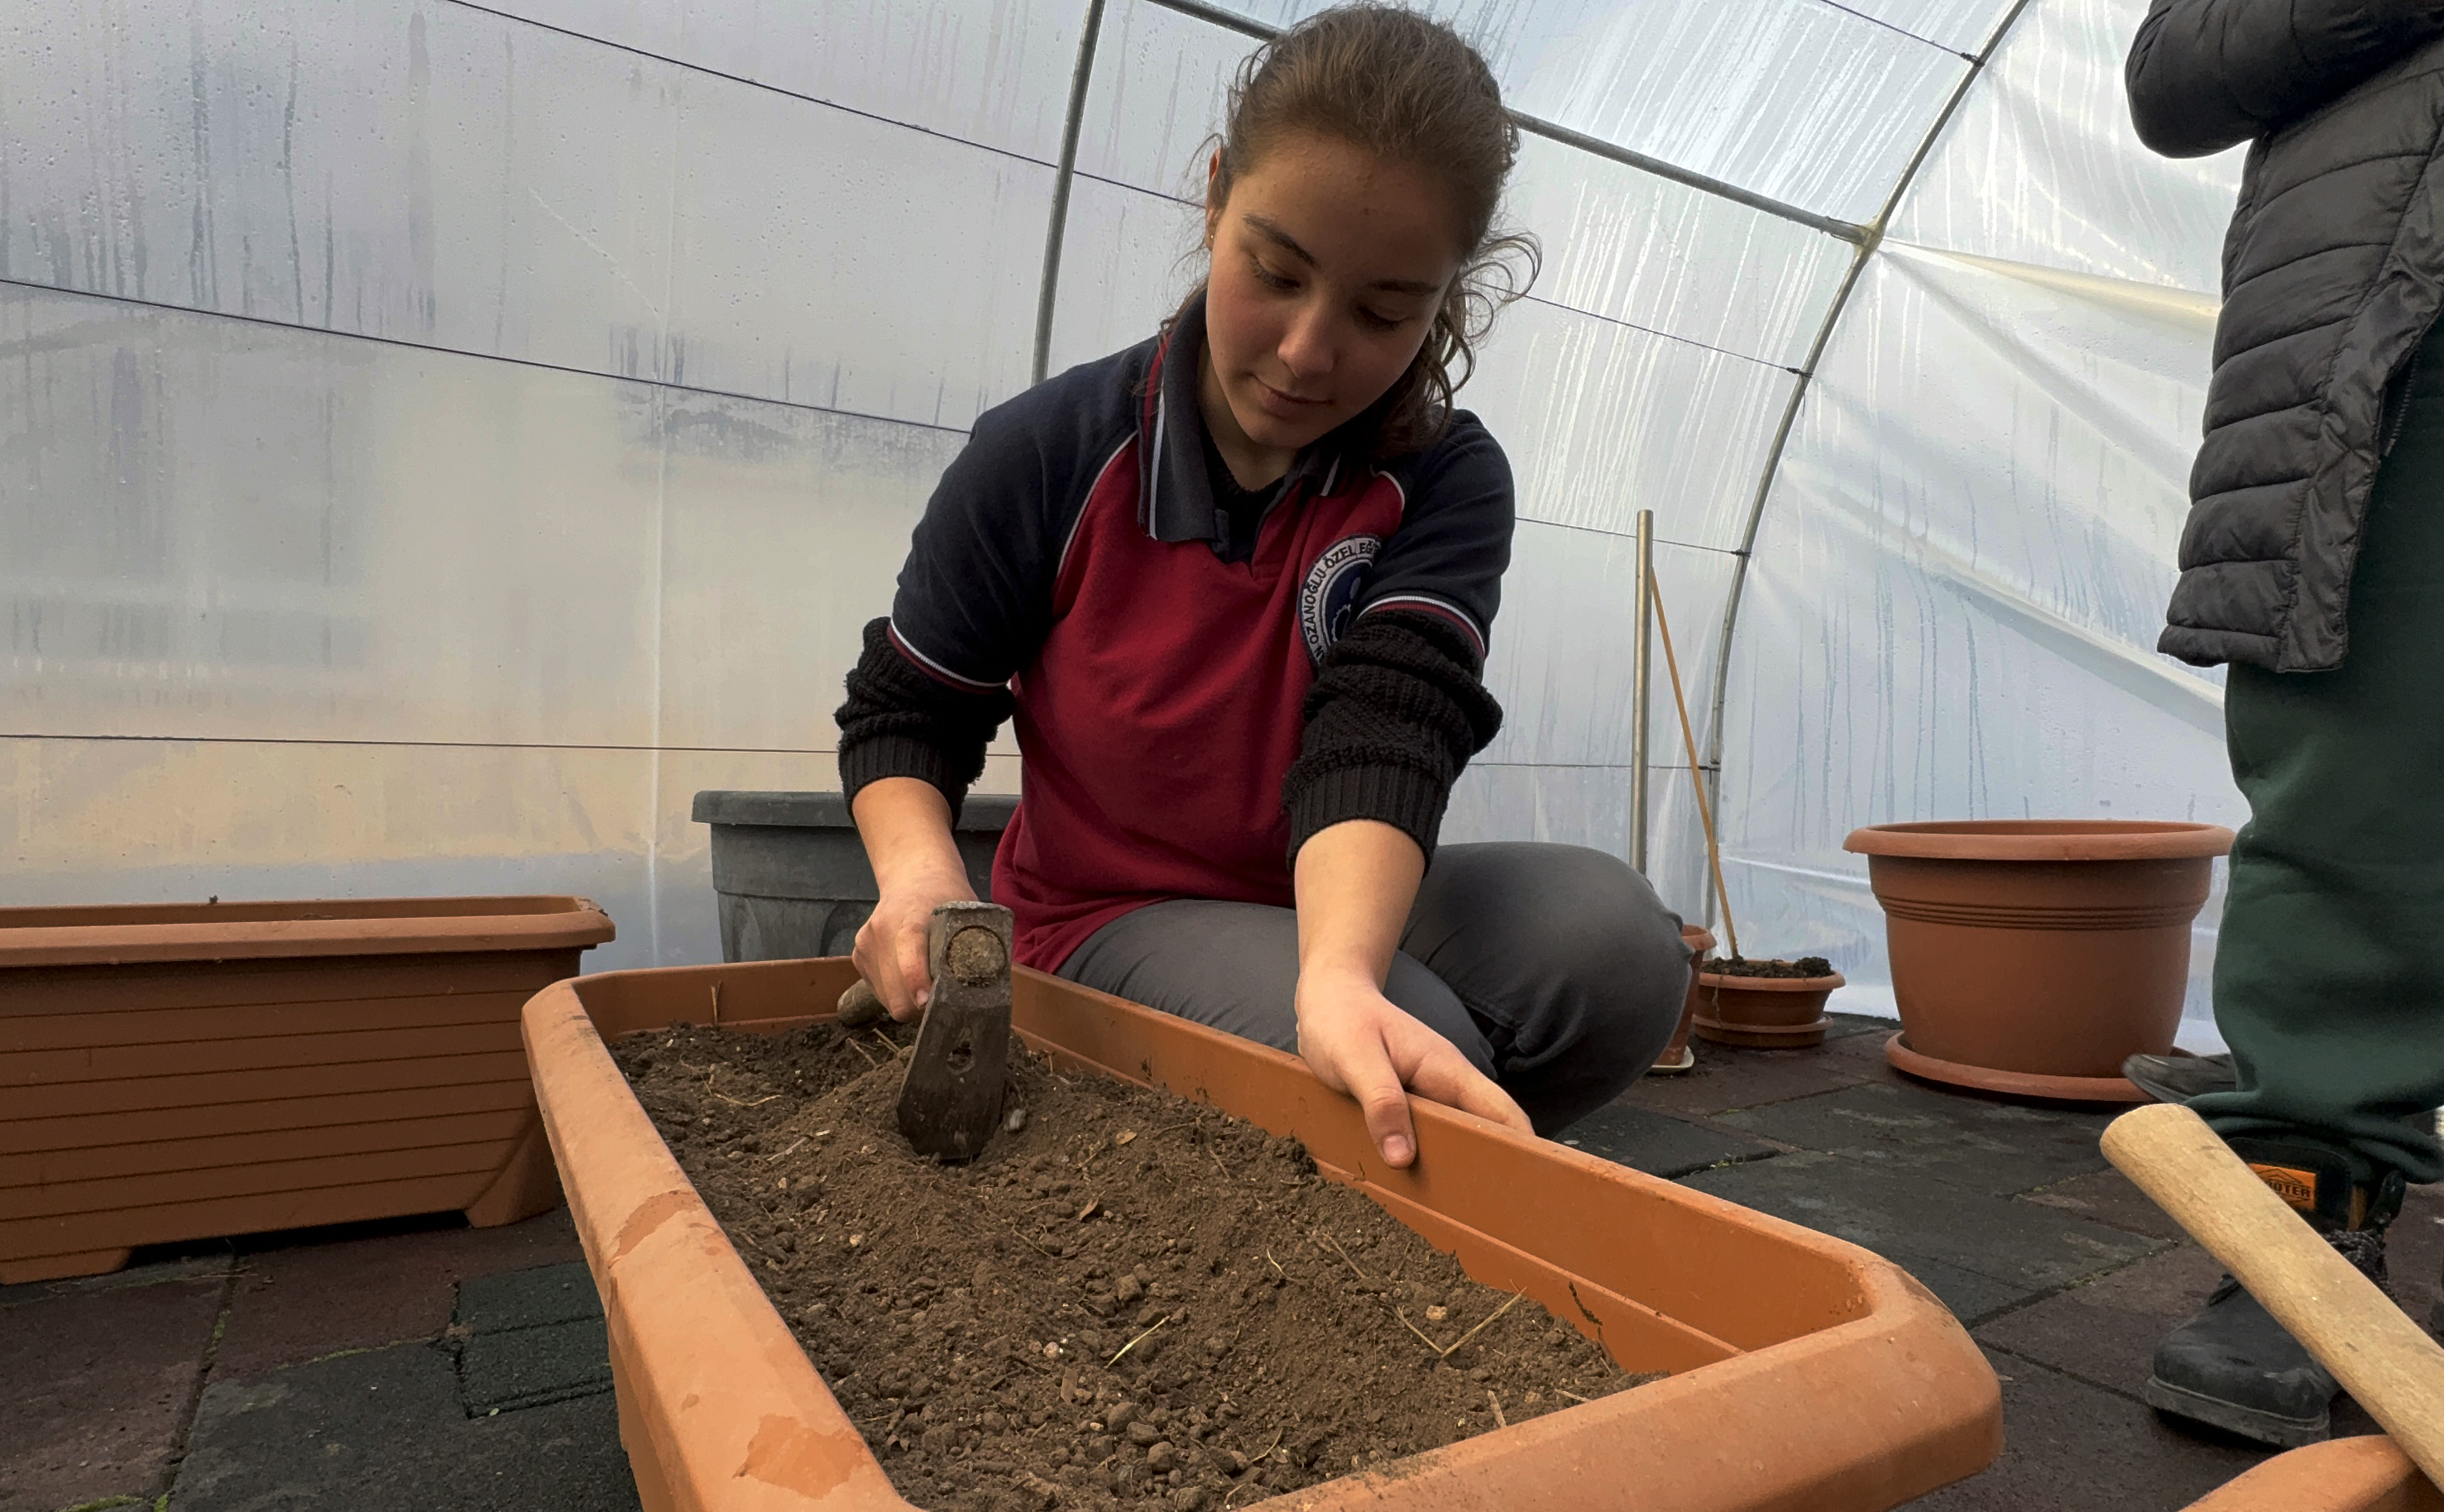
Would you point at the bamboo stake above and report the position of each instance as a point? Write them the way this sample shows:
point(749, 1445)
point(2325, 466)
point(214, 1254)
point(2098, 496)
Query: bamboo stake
point(1697, 776)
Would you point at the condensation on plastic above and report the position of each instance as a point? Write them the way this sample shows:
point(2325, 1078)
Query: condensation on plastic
point(1964, 25)
point(1632, 247)
point(1964, 559)
point(1649, 368)
point(2040, 164)
point(272, 541)
point(479, 605)
point(168, 821)
point(1603, 419)
point(1128, 258)
point(1804, 102)
point(1618, 242)
point(1590, 806)
point(1560, 658)
point(1156, 98)
point(380, 618)
point(992, 73)
point(829, 283)
point(213, 529)
point(172, 820)
point(1563, 662)
point(436, 174)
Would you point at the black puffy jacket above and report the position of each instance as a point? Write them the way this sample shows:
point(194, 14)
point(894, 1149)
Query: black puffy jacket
point(2333, 270)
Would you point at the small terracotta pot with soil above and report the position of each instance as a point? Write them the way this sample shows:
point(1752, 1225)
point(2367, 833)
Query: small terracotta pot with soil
point(1765, 1004)
point(1676, 1057)
point(2030, 957)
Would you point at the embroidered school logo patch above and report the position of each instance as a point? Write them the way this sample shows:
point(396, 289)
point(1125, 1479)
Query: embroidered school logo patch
point(1330, 592)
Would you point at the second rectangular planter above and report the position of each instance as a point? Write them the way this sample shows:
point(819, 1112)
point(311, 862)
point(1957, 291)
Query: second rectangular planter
point(177, 1072)
point(1807, 1374)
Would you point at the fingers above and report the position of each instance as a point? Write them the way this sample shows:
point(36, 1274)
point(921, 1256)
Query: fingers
point(915, 983)
point(1380, 1058)
point(859, 1006)
point(892, 960)
point(1446, 1077)
point(1353, 1060)
point(1372, 1079)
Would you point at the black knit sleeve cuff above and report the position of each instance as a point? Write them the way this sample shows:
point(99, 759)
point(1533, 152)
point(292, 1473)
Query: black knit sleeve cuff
point(899, 721)
point(879, 756)
point(1408, 799)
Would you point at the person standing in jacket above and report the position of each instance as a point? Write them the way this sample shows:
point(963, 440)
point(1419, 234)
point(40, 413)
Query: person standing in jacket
point(2313, 565)
point(1234, 584)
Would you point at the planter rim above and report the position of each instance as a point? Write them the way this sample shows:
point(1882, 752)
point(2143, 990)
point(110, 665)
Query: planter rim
point(1883, 1401)
point(131, 933)
point(2042, 840)
point(2359, 1474)
point(1772, 984)
point(983, 813)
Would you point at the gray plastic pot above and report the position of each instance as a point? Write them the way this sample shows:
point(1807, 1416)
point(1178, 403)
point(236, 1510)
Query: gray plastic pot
point(790, 875)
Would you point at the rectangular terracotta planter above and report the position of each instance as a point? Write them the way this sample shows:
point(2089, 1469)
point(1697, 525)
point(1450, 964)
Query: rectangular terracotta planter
point(173, 1072)
point(2365, 1474)
point(1809, 1373)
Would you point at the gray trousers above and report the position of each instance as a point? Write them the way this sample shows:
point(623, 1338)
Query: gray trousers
point(1555, 970)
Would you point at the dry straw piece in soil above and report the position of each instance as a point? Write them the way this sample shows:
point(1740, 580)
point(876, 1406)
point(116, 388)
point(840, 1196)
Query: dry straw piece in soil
point(1130, 1298)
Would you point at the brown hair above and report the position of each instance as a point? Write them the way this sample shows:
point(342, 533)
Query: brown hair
point(1408, 88)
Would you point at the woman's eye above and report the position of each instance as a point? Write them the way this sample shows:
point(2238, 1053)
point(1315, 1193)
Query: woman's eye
point(1267, 277)
point(1374, 322)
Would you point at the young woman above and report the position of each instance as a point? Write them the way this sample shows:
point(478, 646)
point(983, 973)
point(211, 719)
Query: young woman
point(1235, 583)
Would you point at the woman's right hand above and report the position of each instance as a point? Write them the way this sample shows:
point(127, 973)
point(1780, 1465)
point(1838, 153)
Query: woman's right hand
point(891, 944)
point(906, 825)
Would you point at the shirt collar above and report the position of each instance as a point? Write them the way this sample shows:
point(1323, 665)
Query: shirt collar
point(1176, 495)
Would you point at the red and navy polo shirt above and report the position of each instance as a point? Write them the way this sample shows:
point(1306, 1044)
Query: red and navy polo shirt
point(1074, 553)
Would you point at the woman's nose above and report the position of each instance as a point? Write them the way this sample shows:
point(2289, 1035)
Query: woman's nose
point(1306, 346)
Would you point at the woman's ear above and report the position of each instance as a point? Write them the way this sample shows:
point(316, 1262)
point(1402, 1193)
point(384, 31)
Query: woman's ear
point(1213, 196)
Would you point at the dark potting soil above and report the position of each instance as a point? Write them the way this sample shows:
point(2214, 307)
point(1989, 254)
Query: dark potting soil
point(1806, 967)
point(1130, 1298)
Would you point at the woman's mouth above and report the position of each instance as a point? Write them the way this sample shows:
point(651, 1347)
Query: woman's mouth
point(1284, 406)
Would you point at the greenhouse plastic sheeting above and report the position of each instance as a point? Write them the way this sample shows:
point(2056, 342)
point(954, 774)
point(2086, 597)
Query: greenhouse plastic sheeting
point(1963, 560)
point(436, 439)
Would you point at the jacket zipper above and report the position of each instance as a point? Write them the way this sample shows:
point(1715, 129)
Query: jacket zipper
point(2401, 398)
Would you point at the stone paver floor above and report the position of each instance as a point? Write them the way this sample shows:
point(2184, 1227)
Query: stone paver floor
point(2061, 1268)
point(425, 1367)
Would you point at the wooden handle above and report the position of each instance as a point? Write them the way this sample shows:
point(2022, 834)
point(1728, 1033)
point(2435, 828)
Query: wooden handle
point(2382, 1358)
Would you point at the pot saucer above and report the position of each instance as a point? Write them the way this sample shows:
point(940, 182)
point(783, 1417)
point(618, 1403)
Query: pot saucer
point(2010, 1083)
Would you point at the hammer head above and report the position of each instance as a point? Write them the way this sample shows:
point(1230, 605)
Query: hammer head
point(949, 1100)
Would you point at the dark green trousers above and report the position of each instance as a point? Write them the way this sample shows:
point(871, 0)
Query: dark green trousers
point(2329, 973)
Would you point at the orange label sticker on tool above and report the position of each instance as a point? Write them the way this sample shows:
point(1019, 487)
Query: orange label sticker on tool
point(2297, 1187)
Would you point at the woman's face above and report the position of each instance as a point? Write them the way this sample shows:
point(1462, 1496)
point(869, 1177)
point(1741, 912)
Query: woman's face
point(1329, 264)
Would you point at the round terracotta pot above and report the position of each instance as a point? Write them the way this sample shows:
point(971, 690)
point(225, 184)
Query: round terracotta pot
point(2033, 956)
point(1762, 1012)
point(1675, 1055)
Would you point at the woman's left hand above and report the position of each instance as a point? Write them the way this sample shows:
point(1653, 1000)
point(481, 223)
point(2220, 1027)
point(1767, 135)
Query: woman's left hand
point(1360, 1043)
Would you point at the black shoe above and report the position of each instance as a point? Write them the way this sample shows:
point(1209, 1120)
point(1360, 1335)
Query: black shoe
point(2179, 1077)
point(2232, 1366)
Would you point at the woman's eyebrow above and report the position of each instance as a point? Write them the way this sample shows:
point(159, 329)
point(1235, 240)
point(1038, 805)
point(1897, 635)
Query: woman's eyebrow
point(1286, 242)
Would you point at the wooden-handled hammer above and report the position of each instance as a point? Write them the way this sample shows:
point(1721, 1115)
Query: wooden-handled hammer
point(2383, 1359)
